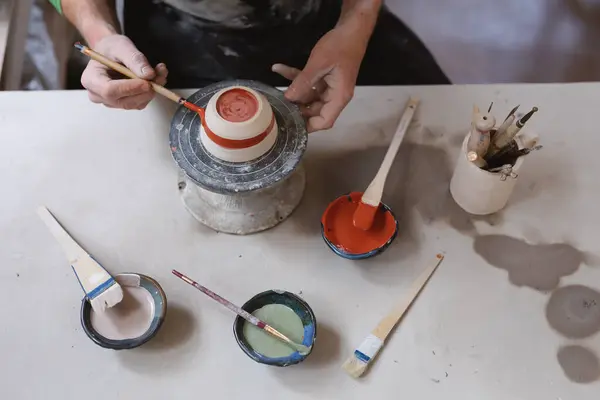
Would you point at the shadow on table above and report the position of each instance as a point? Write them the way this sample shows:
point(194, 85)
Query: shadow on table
point(169, 350)
point(544, 172)
point(417, 190)
point(308, 375)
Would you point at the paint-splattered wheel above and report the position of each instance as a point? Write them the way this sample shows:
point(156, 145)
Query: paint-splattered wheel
point(224, 177)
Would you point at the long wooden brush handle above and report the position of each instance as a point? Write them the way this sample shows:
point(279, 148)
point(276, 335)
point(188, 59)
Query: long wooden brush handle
point(241, 312)
point(374, 192)
point(127, 72)
point(389, 321)
point(71, 248)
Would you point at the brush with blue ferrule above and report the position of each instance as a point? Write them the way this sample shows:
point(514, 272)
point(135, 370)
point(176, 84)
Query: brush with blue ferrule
point(101, 289)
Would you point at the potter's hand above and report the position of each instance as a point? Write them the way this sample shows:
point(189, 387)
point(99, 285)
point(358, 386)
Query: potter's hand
point(326, 84)
point(109, 88)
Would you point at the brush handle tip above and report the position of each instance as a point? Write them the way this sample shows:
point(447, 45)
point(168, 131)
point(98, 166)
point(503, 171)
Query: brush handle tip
point(184, 278)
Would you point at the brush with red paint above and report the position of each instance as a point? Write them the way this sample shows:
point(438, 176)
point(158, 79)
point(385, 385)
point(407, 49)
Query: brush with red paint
point(128, 73)
point(300, 348)
point(369, 203)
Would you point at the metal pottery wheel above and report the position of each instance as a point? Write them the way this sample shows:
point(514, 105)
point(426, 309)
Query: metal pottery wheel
point(245, 197)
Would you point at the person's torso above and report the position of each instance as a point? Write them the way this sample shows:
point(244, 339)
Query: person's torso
point(247, 13)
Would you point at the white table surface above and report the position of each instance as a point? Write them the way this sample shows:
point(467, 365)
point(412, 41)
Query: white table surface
point(109, 178)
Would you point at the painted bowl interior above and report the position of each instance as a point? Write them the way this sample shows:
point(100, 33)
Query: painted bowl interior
point(218, 176)
point(160, 311)
point(384, 214)
point(247, 113)
point(300, 307)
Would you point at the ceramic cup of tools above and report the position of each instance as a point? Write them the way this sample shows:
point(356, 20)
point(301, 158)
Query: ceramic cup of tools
point(239, 125)
point(482, 192)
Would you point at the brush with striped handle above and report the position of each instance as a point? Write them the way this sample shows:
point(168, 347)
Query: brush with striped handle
point(101, 289)
point(364, 354)
point(300, 348)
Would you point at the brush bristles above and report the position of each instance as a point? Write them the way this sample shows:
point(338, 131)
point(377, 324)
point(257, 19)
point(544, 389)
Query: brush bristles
point(107, 299)
point(354, 367)
point(364, 216)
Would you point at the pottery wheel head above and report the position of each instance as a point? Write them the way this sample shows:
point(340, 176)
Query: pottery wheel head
point(227, 177)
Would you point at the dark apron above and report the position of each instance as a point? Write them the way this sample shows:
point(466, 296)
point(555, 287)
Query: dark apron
point(197, 55)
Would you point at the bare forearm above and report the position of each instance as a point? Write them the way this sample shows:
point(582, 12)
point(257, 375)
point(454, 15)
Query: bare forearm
point(360, 16)
point(94, 19)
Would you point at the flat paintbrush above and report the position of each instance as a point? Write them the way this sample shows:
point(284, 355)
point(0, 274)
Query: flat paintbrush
point(302, 349)
point(128, 73)
point(101, 289)
point(360, 359)
point(364, 215)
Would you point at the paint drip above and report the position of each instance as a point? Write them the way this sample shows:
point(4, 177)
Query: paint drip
point(237, 105)
point(129, 319)
point(280, 317)
point(339, 229)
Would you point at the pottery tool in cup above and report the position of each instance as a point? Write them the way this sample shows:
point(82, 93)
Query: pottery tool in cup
point(508, 121)
point(302, 349)
point(101, 289)
point(512, 112)
point(369, 203)
point(504, 138)
point(479, 137)
point(479, 161)
point(510, 156)
point(128, 73)
point(364, 354)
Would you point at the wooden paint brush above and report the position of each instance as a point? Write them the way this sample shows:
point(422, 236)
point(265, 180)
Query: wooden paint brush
point(360, 359)
point(128, 73)
point(300, 348)
point(369, 203)
point(503, 139)
point(473, 157)
point(101, 289)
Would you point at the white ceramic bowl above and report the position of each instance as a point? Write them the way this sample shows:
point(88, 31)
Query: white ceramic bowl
point(241, 125)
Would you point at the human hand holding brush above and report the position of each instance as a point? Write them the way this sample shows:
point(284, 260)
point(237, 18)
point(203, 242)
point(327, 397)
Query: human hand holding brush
point(107, 87)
